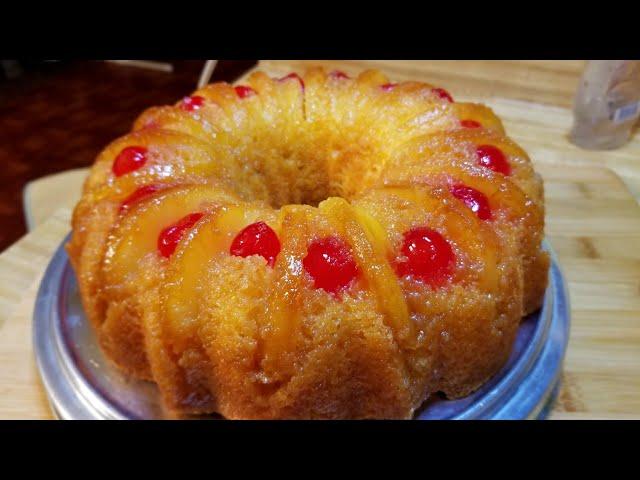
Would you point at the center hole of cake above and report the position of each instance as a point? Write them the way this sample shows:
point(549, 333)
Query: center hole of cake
point(308, 177)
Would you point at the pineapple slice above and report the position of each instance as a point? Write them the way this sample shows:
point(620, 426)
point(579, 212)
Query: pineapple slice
point(182, 292)
point(133, 266)
point(459, 147)
point(467, 326)
point(480, 115)
point(514, 212)
point(172, 158)
point(199, 313)
point(372, 251)
point(504, 196)
point(168, 157)
point(400, 209)
point(177, 120)
point(230, 109)
point(137, 234)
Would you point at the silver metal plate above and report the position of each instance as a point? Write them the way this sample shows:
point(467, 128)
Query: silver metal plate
point(82, 384)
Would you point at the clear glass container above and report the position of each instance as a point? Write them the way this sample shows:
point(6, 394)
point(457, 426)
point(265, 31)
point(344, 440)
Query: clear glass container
point(607, 104)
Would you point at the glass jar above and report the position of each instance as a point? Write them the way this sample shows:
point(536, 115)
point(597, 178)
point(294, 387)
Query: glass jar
point(607, 104)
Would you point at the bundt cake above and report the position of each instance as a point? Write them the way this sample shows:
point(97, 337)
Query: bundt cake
point(313, 246)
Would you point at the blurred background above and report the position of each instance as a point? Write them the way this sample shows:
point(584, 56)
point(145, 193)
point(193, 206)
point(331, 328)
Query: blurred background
point(58, 115)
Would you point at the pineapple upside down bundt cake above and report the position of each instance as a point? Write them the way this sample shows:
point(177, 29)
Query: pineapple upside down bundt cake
point(311, 247)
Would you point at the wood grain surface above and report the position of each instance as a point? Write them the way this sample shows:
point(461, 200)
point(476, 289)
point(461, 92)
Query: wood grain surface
point(593, 223)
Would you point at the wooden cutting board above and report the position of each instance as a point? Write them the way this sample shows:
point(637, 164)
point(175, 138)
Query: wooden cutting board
point(593, 223)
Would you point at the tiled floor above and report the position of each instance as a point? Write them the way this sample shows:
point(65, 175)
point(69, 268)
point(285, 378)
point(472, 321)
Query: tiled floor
point(61, 116)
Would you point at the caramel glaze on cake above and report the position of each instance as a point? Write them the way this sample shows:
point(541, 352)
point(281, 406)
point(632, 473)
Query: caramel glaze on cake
point(311, 247)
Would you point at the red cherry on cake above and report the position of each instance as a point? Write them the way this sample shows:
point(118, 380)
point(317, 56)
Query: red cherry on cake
point(428, 257)
point(474, 199)
point(338, 74)
point(139, 195)
point(387, 87)
point(330, 264)
point(470, 124)
point(293, 76)
point(170, 236)
point(257, 239)
point(191, 104)
point(244, 91)
point(129, 160)
point(493, 158)
point(442, 93)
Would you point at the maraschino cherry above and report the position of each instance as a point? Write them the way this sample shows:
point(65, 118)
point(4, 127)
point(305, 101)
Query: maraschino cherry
point(474, 199)
point(339, 74)
point(129, 160)
point(428, 257)
point(470, 124)
point(442, 93)
point(191, 104)
point(492, 157)
point(293, 76)
point(170, 236)
point(330, 264)
point(139, 195)
point(256, 239)
point(243, 91)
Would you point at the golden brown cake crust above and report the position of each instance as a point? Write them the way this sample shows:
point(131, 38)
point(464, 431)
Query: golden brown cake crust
point(363, 160)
